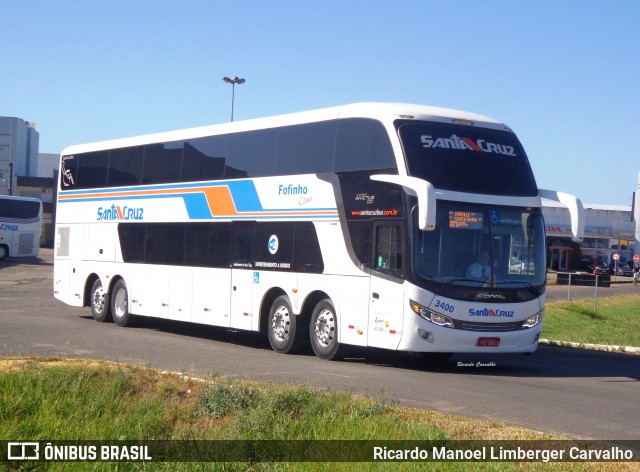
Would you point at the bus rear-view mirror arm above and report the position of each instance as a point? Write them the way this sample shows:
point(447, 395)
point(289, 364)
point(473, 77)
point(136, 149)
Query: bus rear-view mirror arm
point(575, 210)
point(421, 189)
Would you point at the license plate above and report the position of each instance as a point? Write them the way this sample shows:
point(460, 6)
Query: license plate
point(488, 342)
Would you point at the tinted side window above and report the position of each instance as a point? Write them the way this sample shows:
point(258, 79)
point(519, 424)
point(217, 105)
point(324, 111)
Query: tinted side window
point(306, 149)
point(360, 234)
point(92, 169)
point(307, 256)
point(132, 241)
point(241, 243)
point(125, 167)
point(162, 163)
point(165, 243)
point(207, 245)
point(252, 153)
point(204, 158)
point(362, 144)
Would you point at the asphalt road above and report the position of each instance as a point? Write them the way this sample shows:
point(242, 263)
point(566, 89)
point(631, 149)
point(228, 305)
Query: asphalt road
point(581, 394)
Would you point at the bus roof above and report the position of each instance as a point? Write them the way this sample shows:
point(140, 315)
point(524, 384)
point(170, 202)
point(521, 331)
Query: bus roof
point(383, 112)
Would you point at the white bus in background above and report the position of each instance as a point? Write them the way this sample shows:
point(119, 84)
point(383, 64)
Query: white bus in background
point(20, 226)
point(393, 226)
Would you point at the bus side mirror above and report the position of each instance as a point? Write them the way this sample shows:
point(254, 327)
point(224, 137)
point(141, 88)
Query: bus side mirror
point(421, 189)
point(575, 210)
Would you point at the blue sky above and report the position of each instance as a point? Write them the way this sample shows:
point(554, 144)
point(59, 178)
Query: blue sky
point(564, 74)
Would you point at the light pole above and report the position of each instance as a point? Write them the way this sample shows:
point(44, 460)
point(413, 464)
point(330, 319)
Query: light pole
point(233, 81)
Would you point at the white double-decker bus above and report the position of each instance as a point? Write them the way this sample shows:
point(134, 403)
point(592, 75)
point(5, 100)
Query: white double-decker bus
point(20, 226)
point(393, 226)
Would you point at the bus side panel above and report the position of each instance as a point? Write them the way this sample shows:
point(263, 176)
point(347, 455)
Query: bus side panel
point(180, 293)
point(149, 290)
point(101, 242)
point(6, 238)
point(211, 296)
point(351, 300)
point(385, 313)
point(349, 296)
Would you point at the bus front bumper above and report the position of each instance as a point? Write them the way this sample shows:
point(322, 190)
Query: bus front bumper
point(422, 336)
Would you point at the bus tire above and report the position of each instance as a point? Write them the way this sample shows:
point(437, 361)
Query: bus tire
point(120, 304)
point(100, 307)
point(323, 331)
point(285, 336)
point(4, 252)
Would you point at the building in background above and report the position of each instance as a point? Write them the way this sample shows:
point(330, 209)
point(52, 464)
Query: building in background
point(19, 146)
point(24, 172)
point(609, 230)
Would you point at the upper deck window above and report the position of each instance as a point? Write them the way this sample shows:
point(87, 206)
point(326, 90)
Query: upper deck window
point(350, 144)
point(467, 159)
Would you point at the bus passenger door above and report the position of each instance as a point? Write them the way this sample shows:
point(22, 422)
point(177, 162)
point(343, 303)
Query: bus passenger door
point(386, 294)
point(242, 274)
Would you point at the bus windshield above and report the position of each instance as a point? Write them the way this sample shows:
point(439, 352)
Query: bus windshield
point(467, 158)
point(480, 245)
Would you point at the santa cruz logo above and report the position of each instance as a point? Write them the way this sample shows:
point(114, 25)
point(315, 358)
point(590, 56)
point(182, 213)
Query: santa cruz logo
point(491, 312)
point(466, 144)
point(115, 212)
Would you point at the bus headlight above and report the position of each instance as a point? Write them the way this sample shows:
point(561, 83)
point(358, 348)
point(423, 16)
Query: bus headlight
point(532, 321)
point(430, 316)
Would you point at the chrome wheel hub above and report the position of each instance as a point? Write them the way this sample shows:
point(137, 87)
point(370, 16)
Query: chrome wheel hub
point(325, 327)
point(280, 323)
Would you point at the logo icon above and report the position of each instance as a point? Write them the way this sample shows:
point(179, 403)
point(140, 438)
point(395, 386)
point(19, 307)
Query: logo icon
point(273, 244)
point(21, 451)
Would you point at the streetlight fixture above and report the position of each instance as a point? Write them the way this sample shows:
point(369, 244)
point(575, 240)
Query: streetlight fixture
point(233, 81)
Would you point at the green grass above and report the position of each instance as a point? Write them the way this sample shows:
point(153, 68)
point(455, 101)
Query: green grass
point(44, 399)
point(615, 321)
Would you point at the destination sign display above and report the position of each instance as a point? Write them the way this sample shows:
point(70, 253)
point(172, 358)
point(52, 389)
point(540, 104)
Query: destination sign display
point(466, 219)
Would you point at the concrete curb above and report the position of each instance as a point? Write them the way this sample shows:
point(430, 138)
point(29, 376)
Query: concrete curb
point(592, 347)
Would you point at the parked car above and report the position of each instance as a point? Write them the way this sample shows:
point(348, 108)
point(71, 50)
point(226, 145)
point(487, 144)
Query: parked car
point(594, 267)
point(521, 267)
point(622, 269)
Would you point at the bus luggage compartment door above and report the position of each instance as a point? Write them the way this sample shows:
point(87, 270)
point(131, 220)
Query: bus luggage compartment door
point(242, 281)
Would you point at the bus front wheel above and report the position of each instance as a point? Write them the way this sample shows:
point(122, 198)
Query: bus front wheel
point(284, 334)
point(120, 304)
point(323, 331)
point(4, 252)
point(100, 308)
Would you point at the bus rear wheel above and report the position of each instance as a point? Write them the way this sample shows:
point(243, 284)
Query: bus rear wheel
point(323, 331)
point(100, 307)
point(120, 304)
point(4, 252)
point(285, 336)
